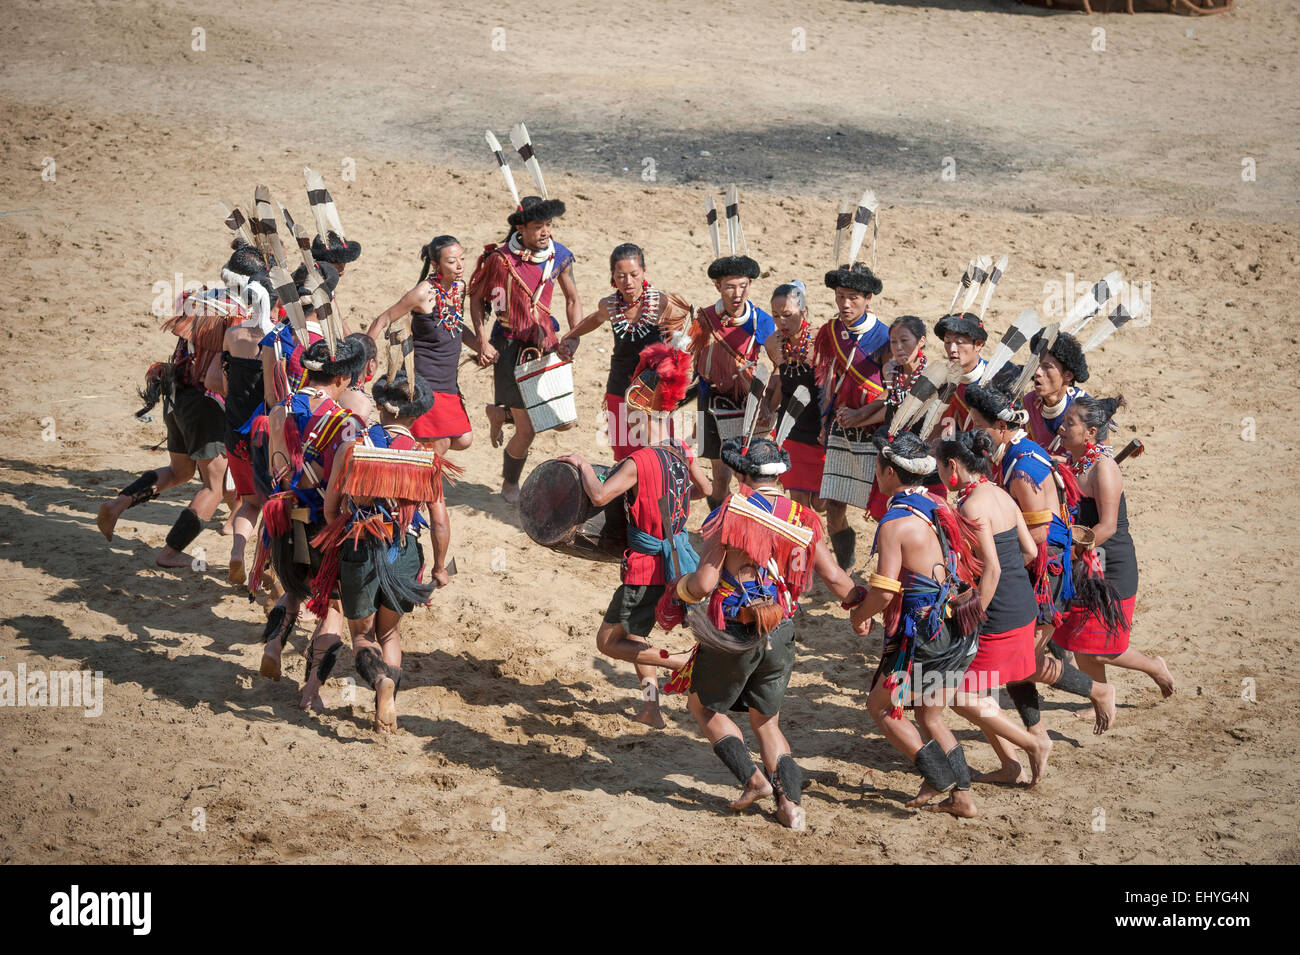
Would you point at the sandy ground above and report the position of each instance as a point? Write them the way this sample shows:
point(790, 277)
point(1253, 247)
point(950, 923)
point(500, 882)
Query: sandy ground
point(1070, 160)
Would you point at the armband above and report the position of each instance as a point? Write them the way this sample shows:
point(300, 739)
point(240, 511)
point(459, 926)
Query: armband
point(881, 582)
point(1037, 518)
point(684, 595)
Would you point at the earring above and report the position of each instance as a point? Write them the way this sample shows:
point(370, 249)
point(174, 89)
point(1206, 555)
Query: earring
point(952, 481)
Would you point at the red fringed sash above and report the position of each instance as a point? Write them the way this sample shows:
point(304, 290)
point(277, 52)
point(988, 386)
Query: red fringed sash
point(764, 542)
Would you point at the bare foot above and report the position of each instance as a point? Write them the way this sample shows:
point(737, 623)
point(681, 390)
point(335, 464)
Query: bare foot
point(270, 666)
point(757, 788)
point(1038, 758)
point(958, 804)
point(1164, 679)
point(228, 528)
point(1007, 774)
point(1103, 706)
point(651, 716)
point(791, 816)
point(510, 493)
point(167, 557)
point(106, 519)
point(923, 796)
point(311, 702)
point(385, 706)
point(496, 416)
point(235, 572)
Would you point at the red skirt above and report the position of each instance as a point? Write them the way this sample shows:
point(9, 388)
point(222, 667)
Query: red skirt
point(446, 419)
point(806, 463)
point(1082, 632)
point(1005, 657)
point(241, 472)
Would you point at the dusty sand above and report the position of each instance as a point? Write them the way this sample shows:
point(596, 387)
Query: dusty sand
point(1068, 159)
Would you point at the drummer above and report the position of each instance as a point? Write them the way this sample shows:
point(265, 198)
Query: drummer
point(657, 478)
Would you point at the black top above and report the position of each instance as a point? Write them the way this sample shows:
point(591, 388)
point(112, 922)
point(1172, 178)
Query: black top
point(629, 342)
point(437, 352)
point(1014, 603)
point(243, 393)
point(808, 427)
point(1121, 558)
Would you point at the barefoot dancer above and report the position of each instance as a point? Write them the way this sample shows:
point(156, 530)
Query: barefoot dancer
point(639, 315)
point(189, 385)
point(437, 328)
point(850, 352)
point(761, 549)
point(515, 281)
point(931, 624)
point(372, 542)
point(1095, 640)
point(657, 478)
point(1006, 644)
point(791, 352)
point(1044, 496)
point(242, 388)
point(305, 434)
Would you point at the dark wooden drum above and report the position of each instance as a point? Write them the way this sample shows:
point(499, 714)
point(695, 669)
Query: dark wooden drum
point(556, 512)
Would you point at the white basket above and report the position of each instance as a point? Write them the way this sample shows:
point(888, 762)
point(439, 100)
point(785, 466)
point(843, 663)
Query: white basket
point(729, 419)
point(546, 384)
point(849, 469)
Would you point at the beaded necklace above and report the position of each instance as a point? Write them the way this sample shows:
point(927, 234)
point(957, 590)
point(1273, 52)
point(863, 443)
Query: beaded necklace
point(447, 303)
point(797, 350)
point(965, 492)
point(646, 319)
point(900, 384)
point(1095, 451)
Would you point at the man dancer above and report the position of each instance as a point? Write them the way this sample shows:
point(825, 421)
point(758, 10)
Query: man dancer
point(514, 281)
point(1061, 370)
point(196, 424)
point(931, 625)
point(657, 478)
point(726, 341)
point(305, 434)
point(963, 335)
point(761, 549)
point(850, 352)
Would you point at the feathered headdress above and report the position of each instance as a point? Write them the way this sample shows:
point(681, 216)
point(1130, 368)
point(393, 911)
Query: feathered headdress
point(660, 380)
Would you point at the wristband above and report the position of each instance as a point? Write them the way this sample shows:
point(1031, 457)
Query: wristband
point(859, 594)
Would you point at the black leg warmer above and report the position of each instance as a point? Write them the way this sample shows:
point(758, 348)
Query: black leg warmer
point(957, 760)
point(511, 467)
point(327, 661)
point(1073, 680)
point(1028, 702)
point(1056, 651)
point(278, 625)
point(934, 767)
point(187, 527)
point(144, 488)
point(735, 756)
point(787, 781)
point(396, 674)
point(371, 666)
point(844, 543)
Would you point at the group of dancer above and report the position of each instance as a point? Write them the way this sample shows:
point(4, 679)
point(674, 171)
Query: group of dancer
point(1002, 546)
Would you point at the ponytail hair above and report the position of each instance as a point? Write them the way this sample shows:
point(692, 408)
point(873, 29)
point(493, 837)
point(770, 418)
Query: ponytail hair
point(429, 254)
point(1097, 412)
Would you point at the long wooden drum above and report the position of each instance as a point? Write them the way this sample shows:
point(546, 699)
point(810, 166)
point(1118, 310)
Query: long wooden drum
point(556, 512)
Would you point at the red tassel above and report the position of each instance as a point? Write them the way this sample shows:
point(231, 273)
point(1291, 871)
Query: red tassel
point(260, 557)
point(961, 533)
point(1070, 486)
point(293, 442)
point(275, 513)
point(670, 611)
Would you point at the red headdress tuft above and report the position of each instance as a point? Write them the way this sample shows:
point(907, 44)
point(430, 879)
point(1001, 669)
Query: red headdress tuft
point(661, 379)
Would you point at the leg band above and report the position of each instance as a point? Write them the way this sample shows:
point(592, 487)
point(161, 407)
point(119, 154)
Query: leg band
point(843, 543)
point(511, 467)
point(370, 665)
point(395, 674)
point(330, 658)
point(957, 760)
point(735, 756)
point(144, 488)
point(1028, 702)
point(787, 781)
point(276, 625)
point(187, 527)
point(1073, 680)
point(1056, 651)
point(934, 767)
